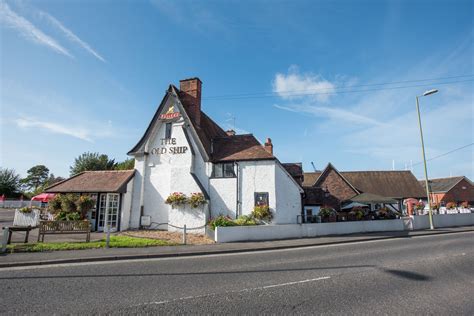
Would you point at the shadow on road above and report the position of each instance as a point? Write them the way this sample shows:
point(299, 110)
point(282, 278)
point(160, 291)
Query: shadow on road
point(408, 275)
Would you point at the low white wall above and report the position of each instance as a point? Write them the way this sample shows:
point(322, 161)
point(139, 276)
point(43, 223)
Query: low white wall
point(27, 219)
point(272, 232)
point(445, 220)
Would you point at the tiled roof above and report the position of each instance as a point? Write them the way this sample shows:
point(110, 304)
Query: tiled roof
point(394, 184)
point(295, 169)
point(239, 147)
point(94, 182)
point(442, 184)
point(313, 196)
point(310, 178)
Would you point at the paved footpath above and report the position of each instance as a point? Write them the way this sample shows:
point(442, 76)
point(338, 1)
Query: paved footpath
point(91, 255)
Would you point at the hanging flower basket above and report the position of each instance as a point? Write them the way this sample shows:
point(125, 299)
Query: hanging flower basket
point(176, 198)
point(196, 200)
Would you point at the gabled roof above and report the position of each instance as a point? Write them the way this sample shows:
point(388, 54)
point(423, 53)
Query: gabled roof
point(214, 140)
point(310, 178)
point(113, 181)
point(393, 184)
point(239, 147)
point(441, 185)
point(331, 167)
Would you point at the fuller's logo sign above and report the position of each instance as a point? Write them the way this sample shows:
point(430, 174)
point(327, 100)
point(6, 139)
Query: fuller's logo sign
point(170, 114)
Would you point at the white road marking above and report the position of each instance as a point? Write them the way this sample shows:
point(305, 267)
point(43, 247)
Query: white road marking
point(303, 248)
point(232, 292)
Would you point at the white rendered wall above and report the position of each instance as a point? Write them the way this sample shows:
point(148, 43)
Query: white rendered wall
point(256, 176)
point(126, 207)
point(191, 217)
point(288, 203)
point(223, 193)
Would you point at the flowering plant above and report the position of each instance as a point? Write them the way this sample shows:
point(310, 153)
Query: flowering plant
point(176, 198)
point(451, 205)
point(420, 206)
point(197, 199)
point(262, 212)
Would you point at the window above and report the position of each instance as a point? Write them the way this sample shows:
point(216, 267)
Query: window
point(169, 126)
point(261, 198)
point(224, 170)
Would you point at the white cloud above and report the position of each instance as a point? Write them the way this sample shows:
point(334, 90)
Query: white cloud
point(56, 128)
point(70, 35)
point(294, 85)
point(28, 30)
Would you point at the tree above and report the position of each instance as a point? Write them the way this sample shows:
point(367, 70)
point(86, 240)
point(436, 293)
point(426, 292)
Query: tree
point(36, 177)
point(9, 182)
point(91, 162)
point(128, 164)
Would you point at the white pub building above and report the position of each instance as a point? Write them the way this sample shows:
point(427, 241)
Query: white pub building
point(183, 150)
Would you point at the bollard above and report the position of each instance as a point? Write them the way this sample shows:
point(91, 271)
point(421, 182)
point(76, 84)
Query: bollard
point(5, 239)
point(184, 235)
point(107, 238)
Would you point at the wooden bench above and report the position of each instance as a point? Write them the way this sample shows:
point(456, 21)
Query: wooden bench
point(64, 227)
point(12, 229)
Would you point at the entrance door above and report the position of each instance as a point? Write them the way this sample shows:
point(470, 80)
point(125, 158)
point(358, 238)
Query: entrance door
point(108, 206)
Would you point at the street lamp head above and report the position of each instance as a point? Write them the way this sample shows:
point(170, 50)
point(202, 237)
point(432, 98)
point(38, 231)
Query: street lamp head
point(432, 91)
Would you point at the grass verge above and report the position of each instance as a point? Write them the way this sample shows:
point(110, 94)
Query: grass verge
point(115, 242)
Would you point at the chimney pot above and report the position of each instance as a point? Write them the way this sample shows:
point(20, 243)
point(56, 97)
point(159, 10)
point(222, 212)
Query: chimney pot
point(230, 132)
point(190, 94)
point(269, 146)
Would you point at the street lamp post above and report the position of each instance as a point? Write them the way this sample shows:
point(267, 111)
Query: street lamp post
point(430, 212)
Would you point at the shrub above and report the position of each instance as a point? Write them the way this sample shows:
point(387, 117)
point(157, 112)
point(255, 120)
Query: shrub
point(327, 212)
point(245, 220)
point(176, 198)
point(197, 199)
point(465, 204)
point(221, 221)
point(26, 209)
point(358, 213)
point(68, 216)
point(54, 205)
point(68, 203)
point(435, 206)
point(262, 212)
point(451, 205)
point(83, 204)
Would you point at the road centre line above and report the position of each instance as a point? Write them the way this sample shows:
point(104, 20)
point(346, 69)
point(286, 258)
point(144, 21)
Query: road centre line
point(233, 292)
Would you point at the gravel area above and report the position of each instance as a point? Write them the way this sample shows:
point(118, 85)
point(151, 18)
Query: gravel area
point(191, 239)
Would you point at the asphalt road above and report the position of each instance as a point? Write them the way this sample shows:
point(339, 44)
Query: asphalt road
point(422, 275)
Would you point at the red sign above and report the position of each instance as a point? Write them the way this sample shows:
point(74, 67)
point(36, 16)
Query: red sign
point(169, 116)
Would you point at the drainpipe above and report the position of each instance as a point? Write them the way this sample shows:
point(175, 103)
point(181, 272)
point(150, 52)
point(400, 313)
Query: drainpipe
point(237, 187)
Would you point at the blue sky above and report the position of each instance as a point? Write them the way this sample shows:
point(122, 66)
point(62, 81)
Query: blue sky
point(82, 76)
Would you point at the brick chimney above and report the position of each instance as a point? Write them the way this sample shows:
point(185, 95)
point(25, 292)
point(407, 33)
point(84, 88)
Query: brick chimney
point(230, 132)
point(191, 96)
point(269, 146)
